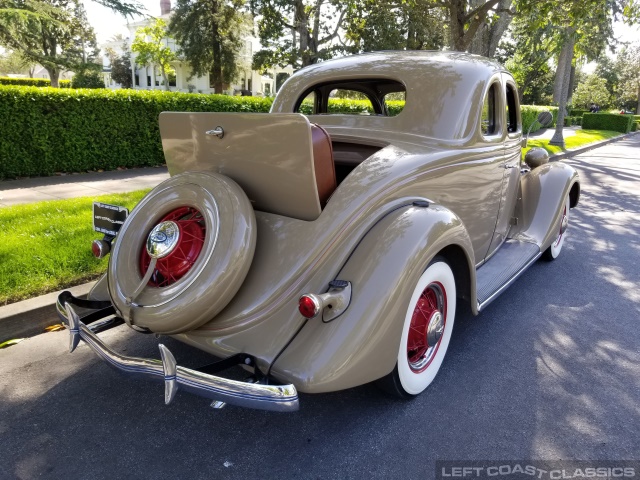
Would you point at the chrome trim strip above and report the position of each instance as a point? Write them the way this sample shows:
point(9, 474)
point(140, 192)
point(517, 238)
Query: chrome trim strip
point(279, 398)
point(507, 284)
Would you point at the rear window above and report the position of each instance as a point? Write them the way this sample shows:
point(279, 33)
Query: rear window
point(381, 97)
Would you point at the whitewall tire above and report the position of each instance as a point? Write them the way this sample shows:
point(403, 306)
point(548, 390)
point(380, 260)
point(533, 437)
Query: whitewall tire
point(426, 332)
point(554, 249)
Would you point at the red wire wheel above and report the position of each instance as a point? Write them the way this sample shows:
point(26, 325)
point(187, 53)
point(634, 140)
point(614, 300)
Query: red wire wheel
point(427, 324)
point(175, 265)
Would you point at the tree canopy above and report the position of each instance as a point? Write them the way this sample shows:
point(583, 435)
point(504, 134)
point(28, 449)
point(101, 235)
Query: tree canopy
point(55, 34)
point(150, 45)
point(210, 35)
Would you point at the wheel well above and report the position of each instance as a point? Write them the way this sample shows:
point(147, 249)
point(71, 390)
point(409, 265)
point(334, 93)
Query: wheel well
point(574, 195)
point(457, 260)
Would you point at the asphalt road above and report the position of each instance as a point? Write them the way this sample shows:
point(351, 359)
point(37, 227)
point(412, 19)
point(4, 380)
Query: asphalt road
point(551, 370)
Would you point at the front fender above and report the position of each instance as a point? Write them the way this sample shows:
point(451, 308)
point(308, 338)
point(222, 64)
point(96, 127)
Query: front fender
point(544, 190)
point(362, 344)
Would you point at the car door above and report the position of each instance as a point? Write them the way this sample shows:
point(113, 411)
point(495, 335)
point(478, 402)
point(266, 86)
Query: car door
point(511, 163)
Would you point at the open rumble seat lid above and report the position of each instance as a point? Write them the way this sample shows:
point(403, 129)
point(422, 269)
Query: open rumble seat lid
point(268, 154)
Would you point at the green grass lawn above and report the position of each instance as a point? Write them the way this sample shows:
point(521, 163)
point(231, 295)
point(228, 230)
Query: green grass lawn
point(46, 246)
point(580, 139)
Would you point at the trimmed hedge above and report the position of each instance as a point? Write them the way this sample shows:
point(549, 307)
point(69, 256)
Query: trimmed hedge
point(33, 82)
point(52, 130)
point(607, 121)
point(530, 113)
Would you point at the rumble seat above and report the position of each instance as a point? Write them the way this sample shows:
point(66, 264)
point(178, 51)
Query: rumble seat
point(323, 163)
point(283, 163)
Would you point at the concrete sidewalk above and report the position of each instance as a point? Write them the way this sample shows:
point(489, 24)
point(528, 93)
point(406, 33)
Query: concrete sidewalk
point(30, 190)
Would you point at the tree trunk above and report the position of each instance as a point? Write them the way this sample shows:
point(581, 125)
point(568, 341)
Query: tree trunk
point(216, 70)
point(560, 73)
point(165, 79)
point(54, 76)
point(567, 48)
point(572, 79)
point(486, 40)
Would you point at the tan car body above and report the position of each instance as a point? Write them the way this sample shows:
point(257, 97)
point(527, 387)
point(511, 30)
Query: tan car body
point(370, 232)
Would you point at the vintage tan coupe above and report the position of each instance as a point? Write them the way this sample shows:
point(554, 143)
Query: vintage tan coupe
point(326, 250)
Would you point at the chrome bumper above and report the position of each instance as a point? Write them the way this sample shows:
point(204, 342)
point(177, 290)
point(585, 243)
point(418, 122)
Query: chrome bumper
point(280, 398)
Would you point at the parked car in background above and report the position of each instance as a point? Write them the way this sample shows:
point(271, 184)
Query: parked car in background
point(327, 250)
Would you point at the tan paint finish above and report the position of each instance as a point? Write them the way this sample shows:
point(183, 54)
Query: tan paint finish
point(269, 156)
point(368, 233)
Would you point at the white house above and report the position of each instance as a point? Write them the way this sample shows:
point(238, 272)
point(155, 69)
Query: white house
point(149, 78)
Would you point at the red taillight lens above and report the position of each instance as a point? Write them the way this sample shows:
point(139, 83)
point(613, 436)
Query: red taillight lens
point(308, 306)
point(100, 248)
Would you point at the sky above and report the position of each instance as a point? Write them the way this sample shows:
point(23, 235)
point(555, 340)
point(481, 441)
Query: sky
point(107, 23)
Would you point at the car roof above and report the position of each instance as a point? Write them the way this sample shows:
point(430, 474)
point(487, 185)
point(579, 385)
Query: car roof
point(444, 87)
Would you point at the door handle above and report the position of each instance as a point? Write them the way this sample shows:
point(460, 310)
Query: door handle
point(218, 132)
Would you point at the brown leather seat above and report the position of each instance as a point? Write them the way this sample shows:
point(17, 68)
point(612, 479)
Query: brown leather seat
point(323, 163)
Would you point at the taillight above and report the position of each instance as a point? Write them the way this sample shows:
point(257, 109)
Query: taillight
point(308, 305)
point(332, 304)
point(100, 248)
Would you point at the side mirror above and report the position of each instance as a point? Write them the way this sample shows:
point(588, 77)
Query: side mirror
point(544, 118)
point(536, 157)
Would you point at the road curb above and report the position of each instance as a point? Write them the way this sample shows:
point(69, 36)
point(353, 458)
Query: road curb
point(30, 317)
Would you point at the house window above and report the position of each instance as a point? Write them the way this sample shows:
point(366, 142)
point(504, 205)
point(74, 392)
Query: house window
point(149, 81)
point(137, 80)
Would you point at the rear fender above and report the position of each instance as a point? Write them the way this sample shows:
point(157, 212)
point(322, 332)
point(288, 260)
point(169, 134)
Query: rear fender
point(362, 344)
point(544, 190)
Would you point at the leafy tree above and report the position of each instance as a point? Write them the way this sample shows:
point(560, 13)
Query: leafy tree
point(16, 62)
point(55, 35)
point(628, 66)
point(592, 90)
point(121, 69)
point(88, 77)
point(606, 69)
point(210, 34)
point(394, 25)
point(297, 32)
point(150, 44)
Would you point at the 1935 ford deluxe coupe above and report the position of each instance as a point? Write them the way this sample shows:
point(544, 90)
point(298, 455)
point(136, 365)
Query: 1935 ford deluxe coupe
point(320, 249)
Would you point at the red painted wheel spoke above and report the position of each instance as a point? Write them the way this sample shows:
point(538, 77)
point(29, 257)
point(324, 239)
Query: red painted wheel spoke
point(431, 300)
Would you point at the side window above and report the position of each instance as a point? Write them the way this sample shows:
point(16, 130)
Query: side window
point(307, 106)
point(488, 123)
point(395, 102)
point(512, 109)
point(350, 102)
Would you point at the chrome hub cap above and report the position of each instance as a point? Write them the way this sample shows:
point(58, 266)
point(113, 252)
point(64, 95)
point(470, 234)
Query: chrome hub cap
point(435, 329)
point(163, 239)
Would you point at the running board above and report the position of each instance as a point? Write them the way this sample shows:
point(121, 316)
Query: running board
point(502, 269)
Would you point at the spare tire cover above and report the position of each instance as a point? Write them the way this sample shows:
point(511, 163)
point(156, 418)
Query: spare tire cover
point(202, 228)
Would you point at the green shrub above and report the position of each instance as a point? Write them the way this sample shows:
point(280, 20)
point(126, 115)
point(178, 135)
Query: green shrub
point(33, 82)
point(577, 120)
point(635, 126)
point(530, 113)
point(53, 130)
point(577, 112)
point(87, 79)
point(607, 121)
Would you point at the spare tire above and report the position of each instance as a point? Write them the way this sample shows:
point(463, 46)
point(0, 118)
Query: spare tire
point(200, 229)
